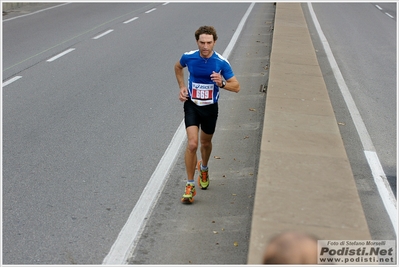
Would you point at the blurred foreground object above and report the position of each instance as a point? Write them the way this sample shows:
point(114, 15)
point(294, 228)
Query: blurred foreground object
point(291, 248)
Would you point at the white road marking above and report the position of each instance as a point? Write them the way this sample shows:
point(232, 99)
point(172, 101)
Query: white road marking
point(103, 34)
point(380, 178)
point(130, 20)
point(11, 80)
point(389, 15)
point(383, 186)
point(234, 39)
point(149, 11)
point(35, 12)
point(386, 13)
point(130, 233)
point(61, 54)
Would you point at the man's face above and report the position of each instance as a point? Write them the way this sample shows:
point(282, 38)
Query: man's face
point(205, 45)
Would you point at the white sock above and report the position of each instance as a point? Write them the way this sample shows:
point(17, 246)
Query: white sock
point(204, 168)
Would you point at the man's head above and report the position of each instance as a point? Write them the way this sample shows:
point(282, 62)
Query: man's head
point(291, 248)
point(209, 30)
point(206, 39)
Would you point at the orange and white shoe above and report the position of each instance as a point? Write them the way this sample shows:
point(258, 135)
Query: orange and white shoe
point(189, 194)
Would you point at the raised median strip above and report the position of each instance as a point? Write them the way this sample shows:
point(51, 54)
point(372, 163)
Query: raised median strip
point(305, 182)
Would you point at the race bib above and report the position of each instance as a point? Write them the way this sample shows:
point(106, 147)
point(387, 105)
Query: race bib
point(202, 94)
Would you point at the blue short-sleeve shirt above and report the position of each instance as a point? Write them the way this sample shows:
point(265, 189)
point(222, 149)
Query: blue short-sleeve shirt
point(201, 89)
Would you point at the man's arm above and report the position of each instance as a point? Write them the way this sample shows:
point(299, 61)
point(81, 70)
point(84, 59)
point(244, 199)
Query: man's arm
point(180, 81)
point(232, 84)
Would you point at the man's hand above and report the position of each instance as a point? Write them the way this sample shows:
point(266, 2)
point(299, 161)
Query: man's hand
point(216, 77)
point(231, 84)
point(183, 96)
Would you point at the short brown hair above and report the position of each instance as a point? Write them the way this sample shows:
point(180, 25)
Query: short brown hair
point(206, 30)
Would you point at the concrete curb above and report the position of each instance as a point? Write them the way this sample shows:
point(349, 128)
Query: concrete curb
point(13, 5)
point(305, 181)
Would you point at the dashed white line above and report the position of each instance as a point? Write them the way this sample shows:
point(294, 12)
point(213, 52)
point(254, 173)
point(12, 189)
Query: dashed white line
point(103, 34)
point(164, 4)
point(11, 80)
point(379, 176)
point(149, 11)
point(60, 54)
point(130, 20)
point(386, 13)
point(389, 15)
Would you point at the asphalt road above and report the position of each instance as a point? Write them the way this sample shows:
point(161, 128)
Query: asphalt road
point(216, 228)
point(83, 132)
point(362, 38)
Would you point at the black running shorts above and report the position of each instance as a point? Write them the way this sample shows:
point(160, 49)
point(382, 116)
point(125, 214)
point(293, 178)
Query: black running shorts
point(206, 116)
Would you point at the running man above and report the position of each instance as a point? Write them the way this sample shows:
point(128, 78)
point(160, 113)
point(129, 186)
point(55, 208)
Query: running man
point(208, 72)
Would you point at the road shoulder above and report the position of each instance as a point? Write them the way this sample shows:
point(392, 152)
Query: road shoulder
point(305, 182)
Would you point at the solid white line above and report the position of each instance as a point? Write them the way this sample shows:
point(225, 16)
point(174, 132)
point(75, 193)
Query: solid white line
point(149, 11)
point(383, 186)
point(61, 54)
point(103, 34)
point(233, 41)
point(130, 233)
point(11, 80)
point(130, 20)
point(35, 12)
point(374, 163)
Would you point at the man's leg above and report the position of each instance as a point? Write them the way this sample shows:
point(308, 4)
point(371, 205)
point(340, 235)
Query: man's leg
point(191, 151)
point(206, 147)
point(190, 159)
point(208, 127)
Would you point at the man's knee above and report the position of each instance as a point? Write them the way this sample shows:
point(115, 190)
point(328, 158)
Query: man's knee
point(192, 145)
point(206, 140)
point(206, 144)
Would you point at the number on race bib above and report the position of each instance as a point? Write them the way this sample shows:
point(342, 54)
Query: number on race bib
point(202, 94)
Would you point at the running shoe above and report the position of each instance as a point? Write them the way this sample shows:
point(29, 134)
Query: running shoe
point(189, 194)
point(203, 177)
